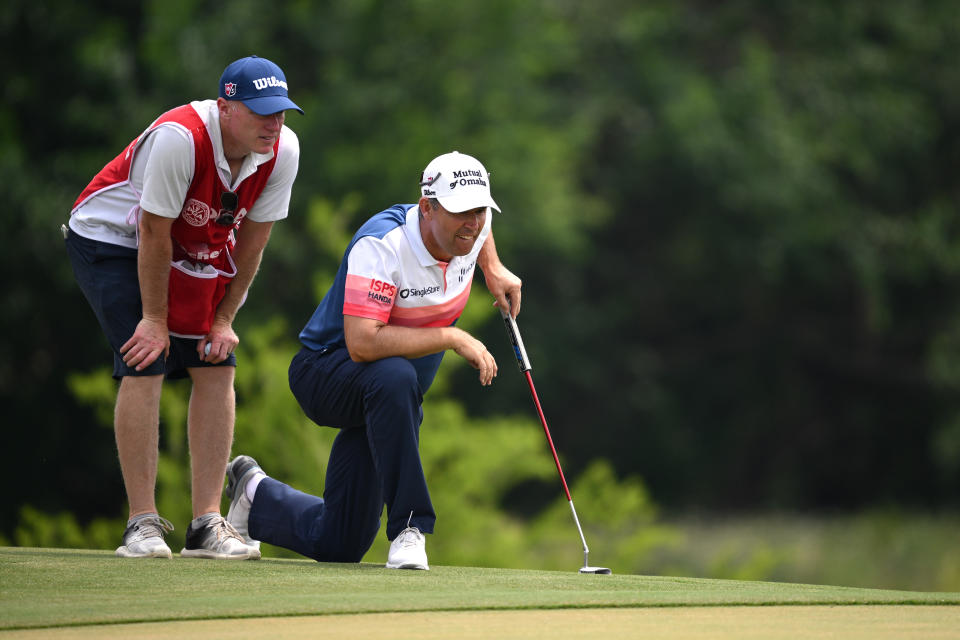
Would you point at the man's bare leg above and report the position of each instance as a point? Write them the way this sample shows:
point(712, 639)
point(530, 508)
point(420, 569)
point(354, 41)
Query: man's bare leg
point(210, 428)
point(137, 430)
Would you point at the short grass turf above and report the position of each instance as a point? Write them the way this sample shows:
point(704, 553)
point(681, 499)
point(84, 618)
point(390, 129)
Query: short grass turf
point(792, 622)
point(47, 588)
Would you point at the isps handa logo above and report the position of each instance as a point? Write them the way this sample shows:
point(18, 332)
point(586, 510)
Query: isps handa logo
point(230, 89)
point(381, 291)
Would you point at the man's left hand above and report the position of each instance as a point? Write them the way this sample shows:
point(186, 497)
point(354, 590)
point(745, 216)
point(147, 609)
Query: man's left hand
point(505, 287)
point(222, 340)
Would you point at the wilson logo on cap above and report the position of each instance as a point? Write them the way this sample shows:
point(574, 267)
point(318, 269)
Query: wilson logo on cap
point(263, 83)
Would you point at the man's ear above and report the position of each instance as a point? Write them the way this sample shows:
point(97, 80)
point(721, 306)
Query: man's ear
point(426, 210)
point(223, 106)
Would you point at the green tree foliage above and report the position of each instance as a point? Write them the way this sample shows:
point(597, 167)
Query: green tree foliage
point(735, 222)
point(774, 295)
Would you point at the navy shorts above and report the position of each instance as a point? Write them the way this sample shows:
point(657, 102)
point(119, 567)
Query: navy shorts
point(107, 275)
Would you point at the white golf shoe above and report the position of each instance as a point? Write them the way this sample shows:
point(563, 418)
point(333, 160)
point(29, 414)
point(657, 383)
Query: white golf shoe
point(143, 538)
point(408, 551)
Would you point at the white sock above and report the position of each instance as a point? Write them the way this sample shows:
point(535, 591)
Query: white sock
point(251, 489)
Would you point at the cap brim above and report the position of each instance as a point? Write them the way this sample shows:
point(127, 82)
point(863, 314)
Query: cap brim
point(455, 204)
point(268, 105)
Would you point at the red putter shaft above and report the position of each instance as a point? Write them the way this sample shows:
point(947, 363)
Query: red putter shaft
point(543, 421)
point(521, 353)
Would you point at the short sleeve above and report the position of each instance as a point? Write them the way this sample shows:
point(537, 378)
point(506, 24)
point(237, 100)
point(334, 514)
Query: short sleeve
point(372, 278)
point(163, 169)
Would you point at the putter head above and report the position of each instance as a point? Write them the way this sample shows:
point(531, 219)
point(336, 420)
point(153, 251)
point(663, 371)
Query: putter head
point(597, 570)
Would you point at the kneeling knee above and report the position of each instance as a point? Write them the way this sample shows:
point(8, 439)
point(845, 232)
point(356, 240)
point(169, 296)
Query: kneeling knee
point(347, 553)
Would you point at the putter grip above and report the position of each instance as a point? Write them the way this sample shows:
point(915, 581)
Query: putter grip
point(518, 349)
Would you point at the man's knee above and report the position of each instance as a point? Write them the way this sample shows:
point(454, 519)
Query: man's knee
point(141, 386)
point(340, 555)
point(394, 374)
point(212, 379)
point(351, 548)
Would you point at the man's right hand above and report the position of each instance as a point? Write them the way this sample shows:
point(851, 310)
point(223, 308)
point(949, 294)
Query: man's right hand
point(474, 352)
point(149, 340)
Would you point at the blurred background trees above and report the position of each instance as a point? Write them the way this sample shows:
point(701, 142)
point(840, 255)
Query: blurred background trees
point(736, 224)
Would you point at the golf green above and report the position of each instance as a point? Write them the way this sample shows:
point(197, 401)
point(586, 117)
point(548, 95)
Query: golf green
point(60, 593)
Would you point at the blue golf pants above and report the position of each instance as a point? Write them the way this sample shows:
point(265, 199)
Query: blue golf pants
point(375, 459)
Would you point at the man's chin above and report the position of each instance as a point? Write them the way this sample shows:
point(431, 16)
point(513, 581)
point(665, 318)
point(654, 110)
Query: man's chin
point(463, 246)
point(263, 146)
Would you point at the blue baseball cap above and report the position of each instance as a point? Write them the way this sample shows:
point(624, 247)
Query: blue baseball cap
point(257, 83)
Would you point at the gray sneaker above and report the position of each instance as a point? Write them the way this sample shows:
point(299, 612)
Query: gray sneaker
point(240, 470)
point(218, 540)
point(143, 538)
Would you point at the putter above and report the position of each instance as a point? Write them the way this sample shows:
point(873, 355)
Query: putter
point(521, 353)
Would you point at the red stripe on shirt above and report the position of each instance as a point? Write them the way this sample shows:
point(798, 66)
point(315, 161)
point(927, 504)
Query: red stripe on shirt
point(438, 315)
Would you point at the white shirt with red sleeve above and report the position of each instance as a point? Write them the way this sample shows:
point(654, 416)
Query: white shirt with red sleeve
point(387, 274)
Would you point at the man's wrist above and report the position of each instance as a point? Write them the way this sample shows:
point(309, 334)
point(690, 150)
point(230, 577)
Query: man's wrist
point(155, 318)
point(222, 318)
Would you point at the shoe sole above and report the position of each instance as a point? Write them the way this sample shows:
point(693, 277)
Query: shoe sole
point(213, 555)
point(123, 552)
point(409, 565)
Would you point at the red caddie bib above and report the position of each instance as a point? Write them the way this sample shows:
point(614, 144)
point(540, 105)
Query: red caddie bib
point(202, 264)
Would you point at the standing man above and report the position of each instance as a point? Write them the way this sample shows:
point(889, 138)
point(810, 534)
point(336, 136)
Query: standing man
point(369, 354)
point(165, 242)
